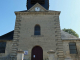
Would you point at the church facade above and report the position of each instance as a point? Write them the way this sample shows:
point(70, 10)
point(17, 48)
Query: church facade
point(37, 33)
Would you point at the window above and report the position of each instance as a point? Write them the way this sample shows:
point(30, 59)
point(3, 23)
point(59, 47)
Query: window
point(72, 47)
point(2, 47)
point(37, 30)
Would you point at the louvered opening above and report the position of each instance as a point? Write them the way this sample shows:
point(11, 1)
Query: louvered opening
point(37, 1)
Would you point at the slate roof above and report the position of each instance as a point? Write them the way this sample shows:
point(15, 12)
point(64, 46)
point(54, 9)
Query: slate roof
point(22, 11)
point(67, 36)
point(8, 36)
point(64, 36)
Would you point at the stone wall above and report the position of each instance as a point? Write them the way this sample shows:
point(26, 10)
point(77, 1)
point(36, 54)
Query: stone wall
point(7, 50)
point(27, 38)
point(50, 38)
point(66, 50)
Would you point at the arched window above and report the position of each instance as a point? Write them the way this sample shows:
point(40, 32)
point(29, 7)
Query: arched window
point(37, 30)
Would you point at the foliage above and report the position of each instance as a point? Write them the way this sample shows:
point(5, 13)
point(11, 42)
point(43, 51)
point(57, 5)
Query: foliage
point(70, 31)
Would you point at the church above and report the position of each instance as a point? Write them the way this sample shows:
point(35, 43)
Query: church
point(37, 36)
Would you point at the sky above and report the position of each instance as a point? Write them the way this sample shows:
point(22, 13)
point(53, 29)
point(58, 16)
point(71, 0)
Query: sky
point(69, 17)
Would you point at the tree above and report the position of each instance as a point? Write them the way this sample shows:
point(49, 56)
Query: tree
point(70, 31)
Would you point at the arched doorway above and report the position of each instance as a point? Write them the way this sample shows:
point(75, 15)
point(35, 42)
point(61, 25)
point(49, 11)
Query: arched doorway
point(37, 53)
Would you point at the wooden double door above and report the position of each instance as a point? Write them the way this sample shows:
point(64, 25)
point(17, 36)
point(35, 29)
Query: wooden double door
point(37, 53)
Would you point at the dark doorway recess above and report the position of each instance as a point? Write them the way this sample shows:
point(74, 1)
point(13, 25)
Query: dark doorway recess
point(37, 53)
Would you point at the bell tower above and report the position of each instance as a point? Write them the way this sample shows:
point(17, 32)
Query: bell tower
point(37, 31)
point(44, 3)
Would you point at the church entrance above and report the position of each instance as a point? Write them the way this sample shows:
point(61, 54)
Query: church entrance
point(37, 53)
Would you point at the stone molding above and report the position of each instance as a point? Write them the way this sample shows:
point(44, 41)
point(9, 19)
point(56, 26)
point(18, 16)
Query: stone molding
point(51, 52)
point(39, 13)
point(20, 51)
point(71, 39)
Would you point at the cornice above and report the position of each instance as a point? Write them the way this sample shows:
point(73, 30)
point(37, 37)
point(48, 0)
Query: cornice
point(38, 13)
point(71, 39)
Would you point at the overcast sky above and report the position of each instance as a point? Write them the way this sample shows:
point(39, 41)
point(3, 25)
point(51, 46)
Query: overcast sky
point(69, 17)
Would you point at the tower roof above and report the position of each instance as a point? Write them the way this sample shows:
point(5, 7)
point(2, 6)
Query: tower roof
point(44, 3)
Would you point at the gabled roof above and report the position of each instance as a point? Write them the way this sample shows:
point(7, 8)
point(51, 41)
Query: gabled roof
point(8, 36)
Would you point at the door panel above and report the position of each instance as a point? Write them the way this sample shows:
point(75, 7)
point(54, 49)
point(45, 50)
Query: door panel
point(37, 53)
